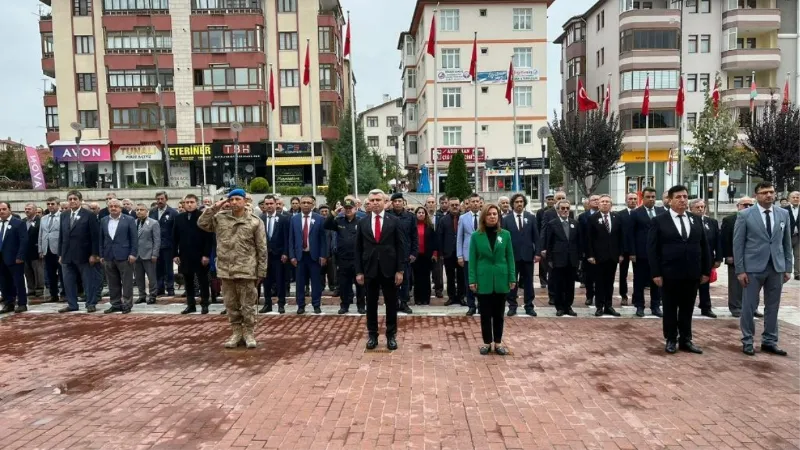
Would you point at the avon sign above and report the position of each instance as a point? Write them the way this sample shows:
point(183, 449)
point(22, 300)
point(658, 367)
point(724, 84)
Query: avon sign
point(84, 153)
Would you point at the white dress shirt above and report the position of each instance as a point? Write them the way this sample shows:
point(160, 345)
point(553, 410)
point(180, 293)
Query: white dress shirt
point(764, 216)
point(677, 222)
point(112, 225)
point(306, 220)
point(372, 220)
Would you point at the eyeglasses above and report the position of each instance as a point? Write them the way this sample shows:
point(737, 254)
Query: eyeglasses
point(747, 205)
point(564, 208)
point(50, 204)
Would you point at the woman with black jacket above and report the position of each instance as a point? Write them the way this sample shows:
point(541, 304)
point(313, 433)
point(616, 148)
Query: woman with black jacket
point(428, 253)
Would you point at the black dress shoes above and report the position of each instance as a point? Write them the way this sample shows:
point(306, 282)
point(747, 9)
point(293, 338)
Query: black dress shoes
point(342, 311)
point(511, 312)
point(20, 309)
point(151, 301)
point(748, 349)
point(639, 312)
point(391, 343)
point(767, 348)
point(671, 347)
point(362, 311)
point(66, 309)
point(265, 309)
point(317, 310)
point(657, 312)
point(439, 294)
point(189, 310)
point(758, 315)
point(500, 350)
point(559, 313)
point(624, 301)
point(300, 311)
point(224, 312)
point(141, 300)
point(688, 346)
point(171, 293)
point(91, 309)
point(471, 312)
point(404, 308)
point(204, 309)
point(7, 309)
point(589, 302)
point(708, 313)
point(372, 343)
point(126, 311)
point(611, 312)
point(551, 302)
point(449, 302)
point(598, 313)
point(485, 349)
point(113, 309)
point(736, 314)
point(571, 312)
point(531, 312)
point(462, 302)
point(281, 309)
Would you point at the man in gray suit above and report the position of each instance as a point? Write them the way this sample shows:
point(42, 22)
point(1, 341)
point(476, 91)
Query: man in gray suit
point(149, 232)
point(762, 254)
point(118, 250)
point(48, 246)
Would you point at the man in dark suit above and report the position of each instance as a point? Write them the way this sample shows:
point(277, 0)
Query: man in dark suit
point(119, 242)
point(408, 226)
point(734, 288)
point(34, 271)
point(105, 211)
point(13, 248)
point(586, 269)
point(344, 225)
point(548, 216)
point(605, 249)
point(438, 265)
point(308, 252)
point(562, 249)
point(447, 234)
point(276, 225)
point(698, 208)
point(550, 201)
point(794, 229)
point(524, 238)
point(636, 245)
point(677, 250)
point(79, 252)
point(631, 200)
point(192, 247)
point(380, 257)
point(165, 215)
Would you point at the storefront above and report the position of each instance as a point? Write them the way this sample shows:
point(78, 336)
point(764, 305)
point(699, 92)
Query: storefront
point(293, 164)
point(186, 165)
point(88, 165)
point(500, 173)
point(445, 155)
point(252, 160)
point(137, 165)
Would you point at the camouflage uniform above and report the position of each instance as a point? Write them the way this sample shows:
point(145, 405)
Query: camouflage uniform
point(241, 260)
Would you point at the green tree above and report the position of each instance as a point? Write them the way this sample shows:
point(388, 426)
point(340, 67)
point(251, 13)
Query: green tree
point(556, 165)
point(259, 185)
point(773, 144)
point(457, 184)
point(14, 164)
point(369, 173)
point(337, 183)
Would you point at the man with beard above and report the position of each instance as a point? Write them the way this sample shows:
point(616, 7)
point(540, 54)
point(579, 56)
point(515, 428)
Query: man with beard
point(468, 224)
point(165, 215)
point(524, 238)
point(192, 254)
point(345, 228)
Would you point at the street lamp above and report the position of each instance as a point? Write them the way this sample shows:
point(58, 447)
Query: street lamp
point(542, 134)
point(77, 126)
point(203, 153)
point(237, 128)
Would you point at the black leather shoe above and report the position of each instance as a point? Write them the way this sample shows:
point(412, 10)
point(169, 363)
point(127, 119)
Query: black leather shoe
point(462, 302)
point(301, 311)
point(171, 294)
point(688, 346)
point(670, 347)
point(391, 343)
point(571, 312)
point(657, 312)
point(559, 313)
point(362, 311)
point(404, 308)
point(736, 314)
point(531, 312)
point(611, 312)
point(758, 315)
point(485, 349)
point(511, 312)
point(589, 302)
point(66, 309)
point(7, 309)
point(204, 309)
point(639, 312)
point(767, 348)
point(224, 312)
point(335, 294)
point(342, 311)
point(126, 311)
point(20, 309)
point(151, 301)
point(797, 277)
point(281, 309)
point(317, 310)
point(372, 343)
point(113, 309)
point(748, 349)
point(141, 300)
point(449, 302)
point(265, 309)
point(598, 313)
point(471, 312)
point(189, 310)
point(91, 309)
point(708, 313)
point(551, 302)
point(439, 294)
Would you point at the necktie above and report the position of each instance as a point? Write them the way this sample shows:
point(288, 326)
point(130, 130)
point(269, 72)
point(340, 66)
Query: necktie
point(565, 224)
point(305, 232)
point(455, 223)
point(377, 228)
point(269, 226)
point(519, 221)
point(606, 223)
point(474, 221)
point(2, 234)
point(769, 223)
point(684, 236)
point(72, 219)
point(650, 212)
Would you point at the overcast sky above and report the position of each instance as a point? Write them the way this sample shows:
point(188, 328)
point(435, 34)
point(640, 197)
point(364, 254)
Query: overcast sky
point(376, 27)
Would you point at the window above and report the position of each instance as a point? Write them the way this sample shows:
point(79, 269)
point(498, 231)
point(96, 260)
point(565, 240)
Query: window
point(47, 45)
point(51, 117)
point(451, 58)
point(391, 141)
point(136, 39)
point(145, 117)
point(373, 141)
point(225, 4)
point(648, 39)
point(290, 78)
point(484, 129)
point(372, 121)
point(692, 43)
point(448, 20)
point(523, 96)
point(482, 12)
point(691, 6)
point(87, 82)
point(704, 81)
point(412, 112)
point(290, 115)
point(484, 50)
point(634, 120)
point(287, 41)
point(746, 4)
point(691, 121)
point(391, 121)
point(84, 44)
point(228, 78)
point(326, 77)
point(576, 34)
point(523, 57)
point(659, 79)
point(411, 78)
point(705, 6)
point(748, 43)
point(81, 7)
point(691, 82)
point(88, 118)
point(452, 136)
point(571, 102)
point(524, 134)
point(574, 67)
point(135, 5)
point(522, 19)
point(451, 97)
point(601, 57)
point(326, 39)
point(412, 145)
point(224, 40)
point(135, 79)
point(328, 114)
point(740, 82)
point(224, 115)
point(285, 6)
point(484, 89)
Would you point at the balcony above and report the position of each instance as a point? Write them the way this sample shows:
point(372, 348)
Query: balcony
point(659, 99)
point(662, 139)
point(49, 65)
point(50, 98)
point(663, 18)
point(222, 7)
point(753, 20)
point(751, 59)
point(649, 60)
point(740, 98)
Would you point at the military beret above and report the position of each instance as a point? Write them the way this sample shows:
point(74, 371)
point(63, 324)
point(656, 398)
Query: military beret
point(237, 193)
point(397, 196)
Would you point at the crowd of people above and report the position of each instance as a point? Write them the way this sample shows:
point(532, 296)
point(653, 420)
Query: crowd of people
point(477, 254)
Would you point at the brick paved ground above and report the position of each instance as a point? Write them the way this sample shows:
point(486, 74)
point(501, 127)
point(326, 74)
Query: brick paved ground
point(164, 382)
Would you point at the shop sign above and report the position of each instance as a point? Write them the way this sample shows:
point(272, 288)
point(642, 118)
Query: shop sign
point(446, 153)
point(137, 153)
point(83, 153)
point(247, 151)
point(289, 176)
point(453, 76)
point(180, 175)
point(191, 152)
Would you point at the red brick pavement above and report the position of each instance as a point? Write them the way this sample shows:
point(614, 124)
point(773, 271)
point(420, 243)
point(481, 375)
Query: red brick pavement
point(164, 382)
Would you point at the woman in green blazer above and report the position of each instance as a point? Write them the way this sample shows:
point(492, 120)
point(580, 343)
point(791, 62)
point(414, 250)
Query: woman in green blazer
point(491, 275)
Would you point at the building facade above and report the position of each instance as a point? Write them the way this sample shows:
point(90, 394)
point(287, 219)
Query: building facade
point(149, 79)
point(621, 42)
point(457, 115)
point(377, 123)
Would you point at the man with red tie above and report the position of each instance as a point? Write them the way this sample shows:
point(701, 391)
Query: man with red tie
point(308, 252)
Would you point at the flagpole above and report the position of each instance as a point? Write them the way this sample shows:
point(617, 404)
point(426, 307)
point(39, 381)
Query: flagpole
point(311, 125)
point(647, 142)
point(475, 152)
point(352, 111)
point(269, 133)
point(435, 155)
point(681, 124)
point(514, 131)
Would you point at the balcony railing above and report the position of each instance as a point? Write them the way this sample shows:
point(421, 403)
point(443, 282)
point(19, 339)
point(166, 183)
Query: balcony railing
point(138, 88)
point(137, 51)
point(226, 7)
point(46, 17)
point(50, 91)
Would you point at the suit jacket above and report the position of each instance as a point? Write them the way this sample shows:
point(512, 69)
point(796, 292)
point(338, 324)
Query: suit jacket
point(431, 242)
point(547, 217)
point(670, 256)
point(166, 224)
point(32, 247)
point(408, 224)
point(49, 230)
point(124, 243)
point(562, 250)
point(81, 240)
point(636, 233)
point(15, 242)
point(714, 238)
point(540, 217)
point(316, 237)
point(465, 230)
point(448, 236)
point(526, 241)
point(278, 245)
point(602, 245)
point(190, 242)
point(149, 238)
point(726, 237)
point(794, 225)
point(492, 269)
point(583, 222)
point(385, 257)
point(753, 248)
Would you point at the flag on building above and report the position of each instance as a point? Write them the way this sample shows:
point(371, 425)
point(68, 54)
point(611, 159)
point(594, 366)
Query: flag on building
point(271, 90)
point(432, 37)
point(584, 102)
point(681, 100)
point(347, 37)
point(715, 95)
point(646, 100)
point(510, 83)
point(473, 63)
point(607, 100)
point(307, 66)
point(753, 95)
point(786, 99)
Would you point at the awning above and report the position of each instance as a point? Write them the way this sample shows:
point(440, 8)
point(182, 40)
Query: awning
point(294, 161)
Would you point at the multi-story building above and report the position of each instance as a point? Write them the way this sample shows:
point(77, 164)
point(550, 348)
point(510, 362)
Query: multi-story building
point(623, 41)
point(377, 123)
point(127, 70)
point(446, 118)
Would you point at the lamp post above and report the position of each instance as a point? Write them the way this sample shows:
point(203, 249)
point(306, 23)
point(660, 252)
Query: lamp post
point(237, 128)
point(163, 124)
point(77, 126)
point(203, 152)
point(542, 134)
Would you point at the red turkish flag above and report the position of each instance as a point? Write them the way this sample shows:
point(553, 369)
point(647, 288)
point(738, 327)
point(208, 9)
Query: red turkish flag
point(271, 90)
point(432, 37)
point(307, 66)
point(681, 99)
point(786, 99)
point(607, 101)
point(347, 39)
point(584, 102)
point(646, 100)
point(473, 63)
point(715, 96)
point(510, 83)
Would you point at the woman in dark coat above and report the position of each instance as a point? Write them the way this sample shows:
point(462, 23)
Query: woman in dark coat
point(428, 253)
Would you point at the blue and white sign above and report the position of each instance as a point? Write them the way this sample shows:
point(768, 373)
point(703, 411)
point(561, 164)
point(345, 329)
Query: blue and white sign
point(501, 76)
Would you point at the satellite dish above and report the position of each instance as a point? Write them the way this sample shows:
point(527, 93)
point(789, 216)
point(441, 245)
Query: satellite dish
point(543, 133)
point(236, 127)
point(76, 126)
point(397, 130)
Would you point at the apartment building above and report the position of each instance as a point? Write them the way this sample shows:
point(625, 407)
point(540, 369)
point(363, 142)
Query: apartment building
point(623, 41)
point(442, 114)
point(126, 68)
point(378, 122)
